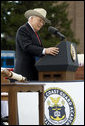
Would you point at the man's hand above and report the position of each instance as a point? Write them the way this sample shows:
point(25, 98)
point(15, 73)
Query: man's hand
point(52, 51)
point(6, 73)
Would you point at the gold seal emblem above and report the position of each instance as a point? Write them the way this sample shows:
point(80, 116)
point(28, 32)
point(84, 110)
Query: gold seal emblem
point(73, 52)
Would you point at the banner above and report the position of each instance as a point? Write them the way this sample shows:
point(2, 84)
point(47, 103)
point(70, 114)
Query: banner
point(64, 103)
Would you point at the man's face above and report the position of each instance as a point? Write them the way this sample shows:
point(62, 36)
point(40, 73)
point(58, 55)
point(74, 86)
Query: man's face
point(37, 23)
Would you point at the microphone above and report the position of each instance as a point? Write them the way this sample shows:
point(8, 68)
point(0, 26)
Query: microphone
point(55, 32)
point(52, 30)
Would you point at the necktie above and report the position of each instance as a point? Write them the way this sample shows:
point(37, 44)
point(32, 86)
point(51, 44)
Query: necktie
point(38, 38)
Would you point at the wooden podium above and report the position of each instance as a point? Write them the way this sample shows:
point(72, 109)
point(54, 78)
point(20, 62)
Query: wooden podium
point(60, 67)
point(12, 89)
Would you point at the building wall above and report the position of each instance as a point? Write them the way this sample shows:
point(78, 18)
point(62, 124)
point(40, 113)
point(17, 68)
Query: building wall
point(76, 13)
point(79, 74)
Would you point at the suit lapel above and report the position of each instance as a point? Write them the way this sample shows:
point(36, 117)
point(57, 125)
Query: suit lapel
point(28, 27)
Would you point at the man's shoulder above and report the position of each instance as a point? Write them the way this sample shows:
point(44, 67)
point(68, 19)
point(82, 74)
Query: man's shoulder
point(24, 27)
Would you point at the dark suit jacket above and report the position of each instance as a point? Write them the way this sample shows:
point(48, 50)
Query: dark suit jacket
point(27, 47)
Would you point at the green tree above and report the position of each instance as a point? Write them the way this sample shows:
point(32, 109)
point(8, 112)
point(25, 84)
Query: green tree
point(12, 17)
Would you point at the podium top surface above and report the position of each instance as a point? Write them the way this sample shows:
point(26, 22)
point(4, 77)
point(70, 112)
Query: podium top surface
point(24, 84)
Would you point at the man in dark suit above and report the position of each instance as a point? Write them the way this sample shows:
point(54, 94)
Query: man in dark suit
point(29, 45)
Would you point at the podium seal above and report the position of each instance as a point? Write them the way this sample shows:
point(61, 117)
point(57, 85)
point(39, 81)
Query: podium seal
point(59, 107)
point(73, 52)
